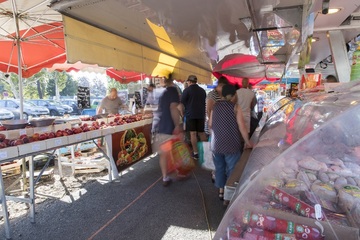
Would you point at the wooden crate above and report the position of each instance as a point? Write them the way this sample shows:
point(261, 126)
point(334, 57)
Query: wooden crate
point(10, 169)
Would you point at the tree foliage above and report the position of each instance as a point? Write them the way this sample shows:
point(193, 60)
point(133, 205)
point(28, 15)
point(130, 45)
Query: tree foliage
point(115, 84)
point(70, 87)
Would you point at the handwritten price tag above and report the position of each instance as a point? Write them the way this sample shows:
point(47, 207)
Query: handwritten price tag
point(58, 142)
point(36, 147)
point(3, 155)
point(22, 132)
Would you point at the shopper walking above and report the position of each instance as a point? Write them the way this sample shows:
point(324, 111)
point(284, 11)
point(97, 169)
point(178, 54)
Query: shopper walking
point(229, 131)
point(193, 102)
point(246, 102)
point(169, 124)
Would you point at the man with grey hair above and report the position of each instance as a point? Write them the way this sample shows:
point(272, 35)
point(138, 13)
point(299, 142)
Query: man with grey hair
point(111, 104)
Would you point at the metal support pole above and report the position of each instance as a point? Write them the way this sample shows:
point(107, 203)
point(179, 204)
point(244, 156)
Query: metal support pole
point(59, 163)
point(24, 180)
point(339, 55)
point(4, 207)
point(32, 189)
point(18, 42)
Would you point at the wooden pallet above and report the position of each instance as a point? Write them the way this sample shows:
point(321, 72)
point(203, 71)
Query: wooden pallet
point(11, 169)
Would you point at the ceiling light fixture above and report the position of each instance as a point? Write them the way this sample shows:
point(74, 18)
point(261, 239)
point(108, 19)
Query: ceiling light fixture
point(334, 10)
point(331, 11)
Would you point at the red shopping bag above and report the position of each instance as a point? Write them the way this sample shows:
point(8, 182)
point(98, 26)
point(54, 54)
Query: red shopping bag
point(180, 159)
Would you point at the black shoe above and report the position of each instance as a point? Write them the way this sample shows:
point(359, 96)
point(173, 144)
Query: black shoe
point(195, 156)
point(166, 183)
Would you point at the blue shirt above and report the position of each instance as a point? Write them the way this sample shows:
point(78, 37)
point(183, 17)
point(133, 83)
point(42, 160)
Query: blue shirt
point(166, 123)
point(194, 100)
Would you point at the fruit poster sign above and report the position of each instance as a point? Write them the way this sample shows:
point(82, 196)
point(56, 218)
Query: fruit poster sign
point(131, 145)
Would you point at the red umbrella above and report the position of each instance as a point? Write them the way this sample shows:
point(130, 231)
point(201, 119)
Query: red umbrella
point(122, 76)
point(125, 76)
point(41, 47)
point(31, 38)
point(237, 66)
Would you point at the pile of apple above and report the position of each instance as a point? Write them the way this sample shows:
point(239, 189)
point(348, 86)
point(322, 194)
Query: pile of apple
point(84, 127)
point(23, 139)
point(120, 120)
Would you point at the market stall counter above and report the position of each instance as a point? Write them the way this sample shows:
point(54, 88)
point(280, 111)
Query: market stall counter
point(310, 188)
point(134, 132)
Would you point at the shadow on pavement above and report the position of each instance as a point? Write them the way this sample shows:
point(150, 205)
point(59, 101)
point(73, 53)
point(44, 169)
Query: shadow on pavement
point(174, 212)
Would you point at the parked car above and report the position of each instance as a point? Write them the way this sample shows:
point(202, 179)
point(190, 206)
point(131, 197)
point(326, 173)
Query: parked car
point(68, 108)
point(5, 114)
point(54, 108)
point(74, 104)
point(13, 105)
point(95, 103)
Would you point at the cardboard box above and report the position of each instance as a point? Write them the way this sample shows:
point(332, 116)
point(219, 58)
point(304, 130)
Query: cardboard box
point(9, 152)
point(15, 134)
point(106, 120)
point(62, 126)
point(44, 129)
point(110, 119)
point(120, 128)
point(77, 138)
point(28, 148)
point(57, 142)
point(94, 134)
point(107, 131)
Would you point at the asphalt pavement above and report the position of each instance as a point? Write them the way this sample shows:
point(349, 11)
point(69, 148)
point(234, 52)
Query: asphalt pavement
point(136, 206)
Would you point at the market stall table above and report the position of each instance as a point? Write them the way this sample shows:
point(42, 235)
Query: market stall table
point(51, 145)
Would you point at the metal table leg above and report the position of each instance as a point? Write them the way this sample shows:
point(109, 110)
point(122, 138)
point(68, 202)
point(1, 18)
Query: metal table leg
point(32, 189)
point(4, 207)
point(59, 163)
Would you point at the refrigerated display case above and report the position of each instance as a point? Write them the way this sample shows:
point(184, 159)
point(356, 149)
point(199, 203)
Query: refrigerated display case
point(314, 168)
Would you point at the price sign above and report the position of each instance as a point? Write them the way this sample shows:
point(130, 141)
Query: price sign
point(83, 97)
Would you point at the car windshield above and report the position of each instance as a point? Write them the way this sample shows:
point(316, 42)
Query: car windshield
point(30, 104)
point(53, 103)
point(26, 104)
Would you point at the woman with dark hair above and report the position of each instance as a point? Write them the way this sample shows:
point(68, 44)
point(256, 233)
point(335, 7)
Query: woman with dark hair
point(228, 132)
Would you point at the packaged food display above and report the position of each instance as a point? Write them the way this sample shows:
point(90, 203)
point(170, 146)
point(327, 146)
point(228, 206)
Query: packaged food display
point(308, 181)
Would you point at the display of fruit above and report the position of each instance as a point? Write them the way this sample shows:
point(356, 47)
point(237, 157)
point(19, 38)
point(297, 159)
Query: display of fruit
point(85, 127)
point(2, 137)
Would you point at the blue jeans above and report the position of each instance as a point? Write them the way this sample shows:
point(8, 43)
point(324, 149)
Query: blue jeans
point(224, 165)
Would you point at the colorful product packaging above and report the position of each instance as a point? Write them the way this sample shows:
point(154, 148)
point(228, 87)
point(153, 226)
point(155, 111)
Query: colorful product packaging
point(276, 225)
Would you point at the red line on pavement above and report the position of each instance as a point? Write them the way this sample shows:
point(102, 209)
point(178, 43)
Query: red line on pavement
point(121, 211)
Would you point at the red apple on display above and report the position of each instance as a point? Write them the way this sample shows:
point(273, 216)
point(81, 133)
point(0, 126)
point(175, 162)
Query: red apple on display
point(7, 142)
point(26, 140)
point(2, 137)
point(35, 137)
point(59, 133)
point(18, 142)
point(42, 137)
point(2, 128)
point(52, 135)
point(68, 131)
